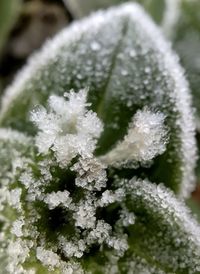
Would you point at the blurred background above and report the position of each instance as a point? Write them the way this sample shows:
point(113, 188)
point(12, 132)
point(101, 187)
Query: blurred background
point(25, 25)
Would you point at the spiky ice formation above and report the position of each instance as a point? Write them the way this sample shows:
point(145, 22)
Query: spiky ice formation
point(165, 222)
point(61, 200)
point(146, 138)
point(69, 211)
point(78, 210)
point(68, 130)
point(128, 66)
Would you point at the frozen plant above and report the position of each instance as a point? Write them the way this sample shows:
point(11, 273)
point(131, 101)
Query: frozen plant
point(97, 163)
point(179, 20)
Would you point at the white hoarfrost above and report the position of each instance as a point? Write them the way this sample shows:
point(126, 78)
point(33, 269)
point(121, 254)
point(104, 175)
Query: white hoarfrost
point(173, 221)
point(47, 257)
point(55, 199)
point(68, 129)
point(92, 59)
point(83, 197)
point(68, 194)
point(146, 138)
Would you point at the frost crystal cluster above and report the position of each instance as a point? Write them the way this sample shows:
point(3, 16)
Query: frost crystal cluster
point(65, 207)
point(74, 210)
point(93, 182)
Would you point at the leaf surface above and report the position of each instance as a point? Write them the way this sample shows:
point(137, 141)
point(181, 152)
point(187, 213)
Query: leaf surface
point(127, 65)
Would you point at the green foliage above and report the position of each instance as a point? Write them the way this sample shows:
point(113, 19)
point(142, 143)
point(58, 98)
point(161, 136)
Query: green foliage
point(76, 196)
point(164, 223)
point(132, 69)
point(186, 39)
point(180, 20)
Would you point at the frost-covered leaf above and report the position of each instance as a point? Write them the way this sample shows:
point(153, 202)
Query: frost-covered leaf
point(127, 65)
point(184, 31)
point(186, 40)
point(67, 203)
point(146, 138)
point(180, 22)
point(13, 146)
point(164, 231)
point(81, 8)
point(54, 223)
point(63, 211)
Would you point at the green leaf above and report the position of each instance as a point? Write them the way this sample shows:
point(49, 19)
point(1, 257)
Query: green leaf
point(185, 34)
point(13, 146)
point(80, 8)
point(164, 237)
point(164, 231)
point(180, 21)
point(127, 66)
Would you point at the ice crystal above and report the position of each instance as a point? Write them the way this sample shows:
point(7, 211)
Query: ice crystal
point(68, 128)
point(91, 174)
point(17, 228)
point(127, 64)
point(146, 138)
point(55, 199)
point(47, 257)
point(63, 204)
point(172, 225)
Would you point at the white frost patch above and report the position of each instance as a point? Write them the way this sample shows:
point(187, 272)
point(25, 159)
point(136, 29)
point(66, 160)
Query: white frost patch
point(3, 197)
point(127, 218)
point(91, 174)
point(14, 198)
point(55, 199)
point(171, 71)
point(14, 136)
point(68, 129)
point(71, 249)
point(146, 138)
point(17, 227)
point(174, 221)
point(119, 244)
point(47, 257)
point(100, 233)
point(17, 251)
point(109, 197)
point(85, 214)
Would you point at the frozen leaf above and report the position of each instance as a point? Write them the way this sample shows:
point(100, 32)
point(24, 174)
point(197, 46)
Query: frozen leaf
point(14, 146)
point(67, 203)
point(164, 229)
point(127, 65)
point(180, 22)
point(67, 217)
point(185, 35)
point(68, 128)
point(146, 138)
